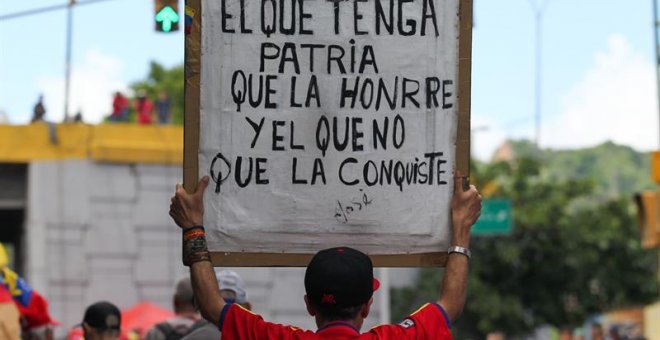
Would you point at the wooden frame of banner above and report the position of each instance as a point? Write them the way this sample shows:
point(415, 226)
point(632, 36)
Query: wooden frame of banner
point(193, 11)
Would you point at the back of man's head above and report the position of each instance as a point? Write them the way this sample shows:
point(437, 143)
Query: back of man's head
point(184, 297)
point(232, 287)
point(596, 331)
point(102, 320)
point(339, 282)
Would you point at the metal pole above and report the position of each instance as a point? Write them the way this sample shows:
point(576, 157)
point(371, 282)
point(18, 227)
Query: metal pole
point(69, 40)
point(45, 9)
point(67, 67)
point(538, 7)
point(656, 45)
point(539, 48)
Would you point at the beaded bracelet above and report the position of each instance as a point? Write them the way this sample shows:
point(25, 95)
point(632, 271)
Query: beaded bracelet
point(194, 246)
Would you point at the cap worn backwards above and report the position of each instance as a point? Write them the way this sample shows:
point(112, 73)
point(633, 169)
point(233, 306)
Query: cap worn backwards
point(102, 316)
point(339, 278)
point(230, 280)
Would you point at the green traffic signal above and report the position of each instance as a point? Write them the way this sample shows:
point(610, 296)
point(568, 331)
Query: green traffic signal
point(167, 16)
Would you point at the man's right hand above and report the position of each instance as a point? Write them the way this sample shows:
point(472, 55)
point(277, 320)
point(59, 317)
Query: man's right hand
point(187, 210)
point(465, 210)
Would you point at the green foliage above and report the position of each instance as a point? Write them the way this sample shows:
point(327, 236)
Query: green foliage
point(616, 170)
point(171, 81)
point(574, 250)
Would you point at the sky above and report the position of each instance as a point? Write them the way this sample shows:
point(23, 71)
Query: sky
point(598, 78)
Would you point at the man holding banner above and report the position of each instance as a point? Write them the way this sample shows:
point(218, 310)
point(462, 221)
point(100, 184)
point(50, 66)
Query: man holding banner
point(339, 282)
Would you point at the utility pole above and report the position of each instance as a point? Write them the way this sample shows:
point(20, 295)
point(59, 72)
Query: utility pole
point(538, 6)
point(656, 47)
point(69, 41)
point(67, 62)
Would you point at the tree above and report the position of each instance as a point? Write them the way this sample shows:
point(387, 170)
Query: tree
point(616, 170)
point(171, 81)
point(570, 255)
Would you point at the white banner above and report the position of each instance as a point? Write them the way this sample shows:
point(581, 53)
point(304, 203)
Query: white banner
point(328, 122)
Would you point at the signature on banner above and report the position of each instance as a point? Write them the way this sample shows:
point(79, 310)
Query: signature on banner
point(343, 210)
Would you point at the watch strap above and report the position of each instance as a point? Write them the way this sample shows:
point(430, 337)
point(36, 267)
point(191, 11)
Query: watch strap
point(460, 250)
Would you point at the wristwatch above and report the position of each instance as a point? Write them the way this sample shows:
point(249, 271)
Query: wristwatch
point(459, 249)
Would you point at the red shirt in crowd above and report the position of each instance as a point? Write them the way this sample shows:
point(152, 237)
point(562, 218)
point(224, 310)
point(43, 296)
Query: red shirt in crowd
point(429, 322)
point(119, 104)
point(144, 108)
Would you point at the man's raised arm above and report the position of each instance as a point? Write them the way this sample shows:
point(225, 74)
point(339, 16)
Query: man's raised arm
point(187, 210)
point(465, 210)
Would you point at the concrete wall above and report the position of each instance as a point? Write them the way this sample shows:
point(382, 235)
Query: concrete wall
point(98, 231)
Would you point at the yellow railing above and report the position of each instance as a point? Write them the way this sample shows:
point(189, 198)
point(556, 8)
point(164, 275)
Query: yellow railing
point(115, 143)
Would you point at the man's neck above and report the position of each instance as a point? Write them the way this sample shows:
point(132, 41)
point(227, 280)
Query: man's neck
point(355, 323)
point(188, 314)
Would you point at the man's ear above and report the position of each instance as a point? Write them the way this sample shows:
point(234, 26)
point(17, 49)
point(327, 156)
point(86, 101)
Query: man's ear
point(366, 308)
point(310, 308)
point(86, 328)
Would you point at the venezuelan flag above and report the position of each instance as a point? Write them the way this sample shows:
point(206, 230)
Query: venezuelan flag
point(20, 290)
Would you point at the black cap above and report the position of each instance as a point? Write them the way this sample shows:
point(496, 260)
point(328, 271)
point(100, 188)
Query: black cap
point(340, 277)
point(103, 316)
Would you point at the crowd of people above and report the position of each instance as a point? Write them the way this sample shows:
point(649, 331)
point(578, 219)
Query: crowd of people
point(103, 320)
point(24, 313)
point(147, 110)
point(596, 331)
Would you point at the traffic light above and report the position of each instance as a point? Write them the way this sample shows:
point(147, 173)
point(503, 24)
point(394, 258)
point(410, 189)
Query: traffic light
point(655, 166)
point(648, 215)
point(166, 15)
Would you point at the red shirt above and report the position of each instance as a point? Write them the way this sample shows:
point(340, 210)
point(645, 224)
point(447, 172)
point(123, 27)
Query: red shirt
point(429, 322)
point(144, 107)
point(119, 103)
